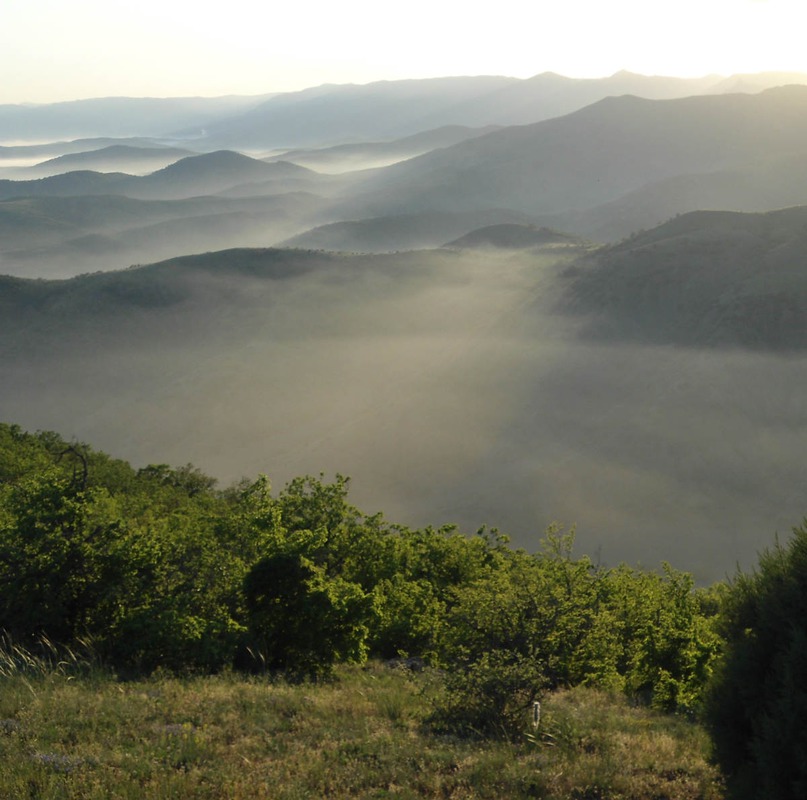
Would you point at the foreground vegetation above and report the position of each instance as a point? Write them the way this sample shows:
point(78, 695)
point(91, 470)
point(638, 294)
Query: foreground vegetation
point(169, 638)
point(363, 734)
point(161, 570)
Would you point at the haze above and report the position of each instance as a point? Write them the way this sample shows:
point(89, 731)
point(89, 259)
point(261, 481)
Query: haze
point(55, 51)
point(488, 299)
point(428, 379)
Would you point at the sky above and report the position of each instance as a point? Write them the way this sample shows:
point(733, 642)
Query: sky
point(52, 50)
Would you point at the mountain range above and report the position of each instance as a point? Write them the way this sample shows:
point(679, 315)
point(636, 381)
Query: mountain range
point(598, 154)
point(335, 114)
point(391, 109)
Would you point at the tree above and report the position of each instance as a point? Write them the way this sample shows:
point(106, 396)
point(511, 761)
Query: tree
point(757, 702)
point(57, 556)
point(301, 620)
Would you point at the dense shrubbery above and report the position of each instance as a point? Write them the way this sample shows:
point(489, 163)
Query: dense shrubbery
point(545, 621)
point(757, 704)
point(158, 568)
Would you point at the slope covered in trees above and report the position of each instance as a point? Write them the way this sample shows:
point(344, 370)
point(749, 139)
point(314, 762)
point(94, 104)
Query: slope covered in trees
point(707, 278)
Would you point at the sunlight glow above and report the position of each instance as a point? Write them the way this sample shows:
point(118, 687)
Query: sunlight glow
point(50, 50)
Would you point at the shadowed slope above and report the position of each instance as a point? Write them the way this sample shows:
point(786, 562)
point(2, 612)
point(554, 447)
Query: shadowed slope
point(705, 278)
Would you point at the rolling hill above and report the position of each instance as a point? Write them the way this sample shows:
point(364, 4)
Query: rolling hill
point(32, 154)
point(113, 158)
point(65, 236)
point(367, 155)
point(764, 184)
point(402, 232)
point(512, 236)
point(205, 174)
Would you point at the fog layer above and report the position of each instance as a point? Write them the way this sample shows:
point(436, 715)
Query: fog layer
point(444, 384)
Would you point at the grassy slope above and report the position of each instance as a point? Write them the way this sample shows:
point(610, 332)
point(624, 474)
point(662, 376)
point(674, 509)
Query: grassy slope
point(362, 736)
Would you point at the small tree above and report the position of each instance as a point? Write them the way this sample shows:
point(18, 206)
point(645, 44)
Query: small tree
point(301, 621)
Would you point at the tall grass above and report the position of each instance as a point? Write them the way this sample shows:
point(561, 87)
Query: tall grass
point(44, 658)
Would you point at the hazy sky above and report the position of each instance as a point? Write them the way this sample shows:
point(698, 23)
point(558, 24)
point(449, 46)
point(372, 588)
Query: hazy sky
point(57, 50)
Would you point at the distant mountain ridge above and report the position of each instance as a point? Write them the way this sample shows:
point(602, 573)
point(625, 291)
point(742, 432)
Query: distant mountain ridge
point(116, 116)
point(334, 114)
point(391, 109)
point(596, 155)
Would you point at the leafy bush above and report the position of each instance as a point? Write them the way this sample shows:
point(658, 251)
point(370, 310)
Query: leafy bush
point(490, 696)
point(666, 634)
point(300, 620)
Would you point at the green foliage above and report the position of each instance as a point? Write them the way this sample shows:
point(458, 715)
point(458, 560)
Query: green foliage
point(302, 621)
point(159, 569)
point(409, 617)
point(58, 559)
point(757, 702)
point(514, 632)
point(667, 636)
point(89, 548)
point(491, 695)
point(21, 453)
point(177, 604)
point(552, 621)
point(347, 542)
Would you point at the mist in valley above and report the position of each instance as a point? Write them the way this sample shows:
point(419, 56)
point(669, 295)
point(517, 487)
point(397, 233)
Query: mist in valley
point(445, 383)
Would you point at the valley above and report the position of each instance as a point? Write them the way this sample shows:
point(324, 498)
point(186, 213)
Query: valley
point(488, 301)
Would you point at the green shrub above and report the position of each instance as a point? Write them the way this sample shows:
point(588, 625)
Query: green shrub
point(300, 620)
point(491, 696)
point(757, 703)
